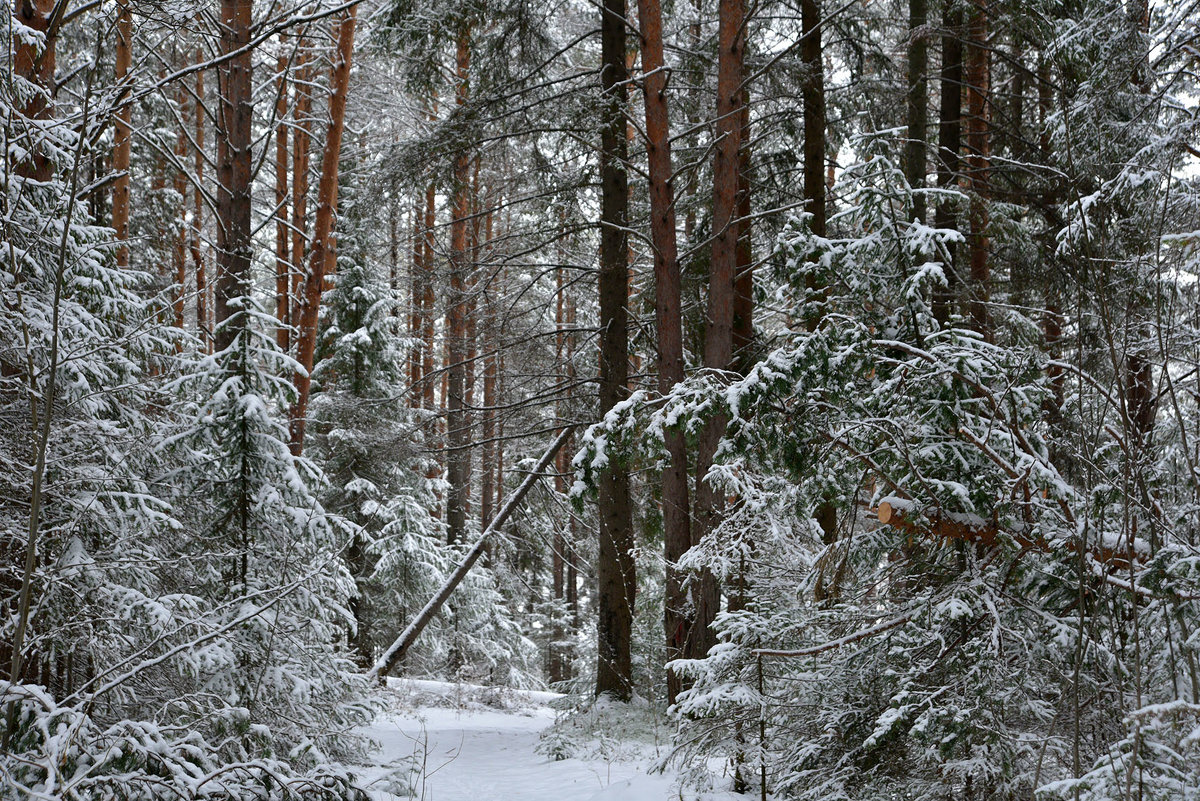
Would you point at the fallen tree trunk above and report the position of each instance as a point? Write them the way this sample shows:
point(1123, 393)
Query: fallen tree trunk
point(947, 527)
point(392, 656)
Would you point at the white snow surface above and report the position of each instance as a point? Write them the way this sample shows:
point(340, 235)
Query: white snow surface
point(442, 745)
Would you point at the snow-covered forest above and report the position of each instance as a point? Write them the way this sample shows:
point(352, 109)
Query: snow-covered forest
point(789, 398)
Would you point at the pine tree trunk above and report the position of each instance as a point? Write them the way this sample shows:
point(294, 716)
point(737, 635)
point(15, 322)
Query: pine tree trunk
point(415, 296)
point(918, 96)
point(813, 100)
point(323, 248)
point(718, 338)
point(676, 514)
point(301, 141)
point(473, 249)
point(394, 222)
point(283, 265)
point(559, 662)
point(815, 188)
point(122, 137)
point(427, 301)
point(743, 308)
point(234, 172)
point(743, 282)
point(949, 145)
point(570, 555)
point(616, 577)
point(203, 323)
point(359, 564)
point(34, 64)
point(458, 455)
point(487, 487)
point(978, 163)
point(429, 399)
point(499, 472)
point(179, 243)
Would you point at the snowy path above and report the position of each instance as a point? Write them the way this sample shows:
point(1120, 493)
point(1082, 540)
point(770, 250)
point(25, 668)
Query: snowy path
point(489, 755)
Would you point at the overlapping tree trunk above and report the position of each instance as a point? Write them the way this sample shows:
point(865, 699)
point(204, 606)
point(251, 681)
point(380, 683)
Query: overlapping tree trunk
point(301, 141)
point(235, 115)
point(283, 266)
point(812, 95)
point(203, 322)
point(122, 134)
point(918, 64)
point(36, 65)
point(322, 247)
point(978, 163)
point(949, 144)
point(458, 432)
point(427, 301)
point(703, 594)
point(616, 578)
point(743, 282)
point(677, 538)
point(179, 245)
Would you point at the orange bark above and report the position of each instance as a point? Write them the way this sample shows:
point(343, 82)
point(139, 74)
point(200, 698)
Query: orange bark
point(202, 289)
point(427, 299)
point(416, 323)
point(37, 66)
point(283, 265)
point(323, 251)
point(718, 340)
point(677, 536)
point(491, 369)
point(458, 456)
point(301, 139)
point(235, 168)
point(179, 252)
point(121, 140)
point(947, 528)
point(743, 282)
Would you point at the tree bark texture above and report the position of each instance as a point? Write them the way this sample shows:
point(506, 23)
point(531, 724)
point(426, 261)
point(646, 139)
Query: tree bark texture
point(458, 427)
point(813, 101)
point(180, 233)
point(283, 265)
point(703, 595)
point(323, 248)
point(918, 98)
point(616, 579)
point(301, 142)
point(202, 288)
point(36, 65)
point(743, 281)
point(235, 115)
point(676, 503)
point(122, 134)
point(415, 323)
point(977, 80)
point(949, 145)
point(427, 300)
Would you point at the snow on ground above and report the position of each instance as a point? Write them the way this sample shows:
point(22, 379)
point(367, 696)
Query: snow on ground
point(447, 742)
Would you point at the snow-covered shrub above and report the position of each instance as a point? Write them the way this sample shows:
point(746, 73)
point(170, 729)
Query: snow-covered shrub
point(61, 752)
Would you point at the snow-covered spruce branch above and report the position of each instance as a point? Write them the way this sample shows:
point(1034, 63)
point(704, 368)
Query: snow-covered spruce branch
point(849, 639)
